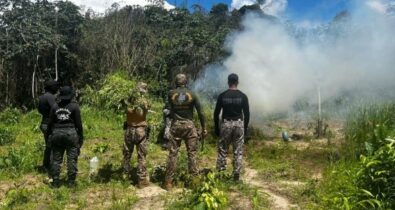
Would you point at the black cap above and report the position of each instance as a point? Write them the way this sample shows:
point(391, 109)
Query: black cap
point(233, 79)
point(50, 83)
point(66, 93)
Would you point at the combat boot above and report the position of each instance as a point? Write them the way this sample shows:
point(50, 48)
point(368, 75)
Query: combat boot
point(142, 183)
point(236, 177)
point(168, 185)
point(71, 183)
point(55, 183)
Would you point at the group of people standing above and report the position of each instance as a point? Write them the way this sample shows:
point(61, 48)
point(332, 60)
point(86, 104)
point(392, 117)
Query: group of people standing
point(62, 128)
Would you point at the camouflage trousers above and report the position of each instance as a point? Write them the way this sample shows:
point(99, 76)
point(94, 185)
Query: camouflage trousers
point(48, 151)
point(64, 140)
point(135, 137)
point(232, 132)
point(167, 134)
point(182, 130)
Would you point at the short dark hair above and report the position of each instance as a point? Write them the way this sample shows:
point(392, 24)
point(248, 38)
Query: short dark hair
point(233, 79)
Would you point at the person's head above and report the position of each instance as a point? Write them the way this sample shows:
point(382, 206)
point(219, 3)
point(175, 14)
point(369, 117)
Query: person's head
point(66, 93)
point(181, 80)
point(142, 87)
point(233, 80)
point(51, 86)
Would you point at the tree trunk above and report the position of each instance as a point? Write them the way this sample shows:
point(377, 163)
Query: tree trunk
point(56, 63)
point(7, 89)
point(33, 77)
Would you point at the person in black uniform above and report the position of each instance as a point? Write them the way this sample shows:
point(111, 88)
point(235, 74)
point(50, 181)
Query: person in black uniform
point(45, 104)
point(235, 119)
point(66, 134)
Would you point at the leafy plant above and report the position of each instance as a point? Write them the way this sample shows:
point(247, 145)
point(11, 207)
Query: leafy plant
point(366, 184)
point(376, 178)
point(101, 148)
point(114, 92)
point(6, 136)
point(207, 195)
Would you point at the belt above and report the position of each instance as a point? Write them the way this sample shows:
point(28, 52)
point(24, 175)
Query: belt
point(232, 120)
point(64, 126)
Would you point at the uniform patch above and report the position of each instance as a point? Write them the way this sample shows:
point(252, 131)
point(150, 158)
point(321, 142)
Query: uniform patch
point(63, 114)
point(181, 98)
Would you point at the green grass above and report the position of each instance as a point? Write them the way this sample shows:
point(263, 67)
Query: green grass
point(281, 160)
point(367, 126)
point(109, 189)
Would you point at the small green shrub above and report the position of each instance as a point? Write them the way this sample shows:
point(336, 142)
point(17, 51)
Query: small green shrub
point(101, 148)
point(6, 136)
point(206, 195)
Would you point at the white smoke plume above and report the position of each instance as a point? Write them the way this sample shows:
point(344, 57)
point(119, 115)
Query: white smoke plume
point(278, 64)
point(270, 7)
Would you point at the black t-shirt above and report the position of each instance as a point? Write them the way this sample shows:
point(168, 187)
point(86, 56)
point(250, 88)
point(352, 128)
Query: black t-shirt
point(45, 103)
point(234, 106)
point(66, 115)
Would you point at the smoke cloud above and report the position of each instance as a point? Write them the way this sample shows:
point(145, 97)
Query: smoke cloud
point(280, 63)
point(270, 7)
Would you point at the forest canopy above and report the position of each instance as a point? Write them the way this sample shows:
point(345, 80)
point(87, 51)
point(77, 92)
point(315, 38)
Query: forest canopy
point(41, 40)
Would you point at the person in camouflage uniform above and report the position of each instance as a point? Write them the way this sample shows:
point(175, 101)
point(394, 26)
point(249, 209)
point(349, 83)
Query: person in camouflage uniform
point(136, 135)
point(181, 103)
point(235, 119)
point(65, 133)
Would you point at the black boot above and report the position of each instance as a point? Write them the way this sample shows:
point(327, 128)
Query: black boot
point(55, 183)
point(236, 177)
point(71, 183)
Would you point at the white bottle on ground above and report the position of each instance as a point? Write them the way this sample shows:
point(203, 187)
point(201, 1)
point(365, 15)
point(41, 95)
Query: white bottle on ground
point(93, 165)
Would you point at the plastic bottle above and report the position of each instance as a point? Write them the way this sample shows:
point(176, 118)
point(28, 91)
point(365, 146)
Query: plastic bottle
point(93, 165)
point(285, 136)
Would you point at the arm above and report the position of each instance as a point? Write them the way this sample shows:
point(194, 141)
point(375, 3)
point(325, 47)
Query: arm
point(217, 111)
point(78, 125)
point(246, 112)
point(52, 101)
point(50, 122)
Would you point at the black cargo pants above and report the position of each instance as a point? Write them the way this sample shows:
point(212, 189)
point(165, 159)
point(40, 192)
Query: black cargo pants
point(64, 139)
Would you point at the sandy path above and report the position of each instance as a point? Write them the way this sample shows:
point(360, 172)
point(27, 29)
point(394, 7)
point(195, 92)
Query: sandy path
point(150, 198)
point(279, 202)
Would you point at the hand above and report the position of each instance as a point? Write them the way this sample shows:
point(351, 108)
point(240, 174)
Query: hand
point(204, 132)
